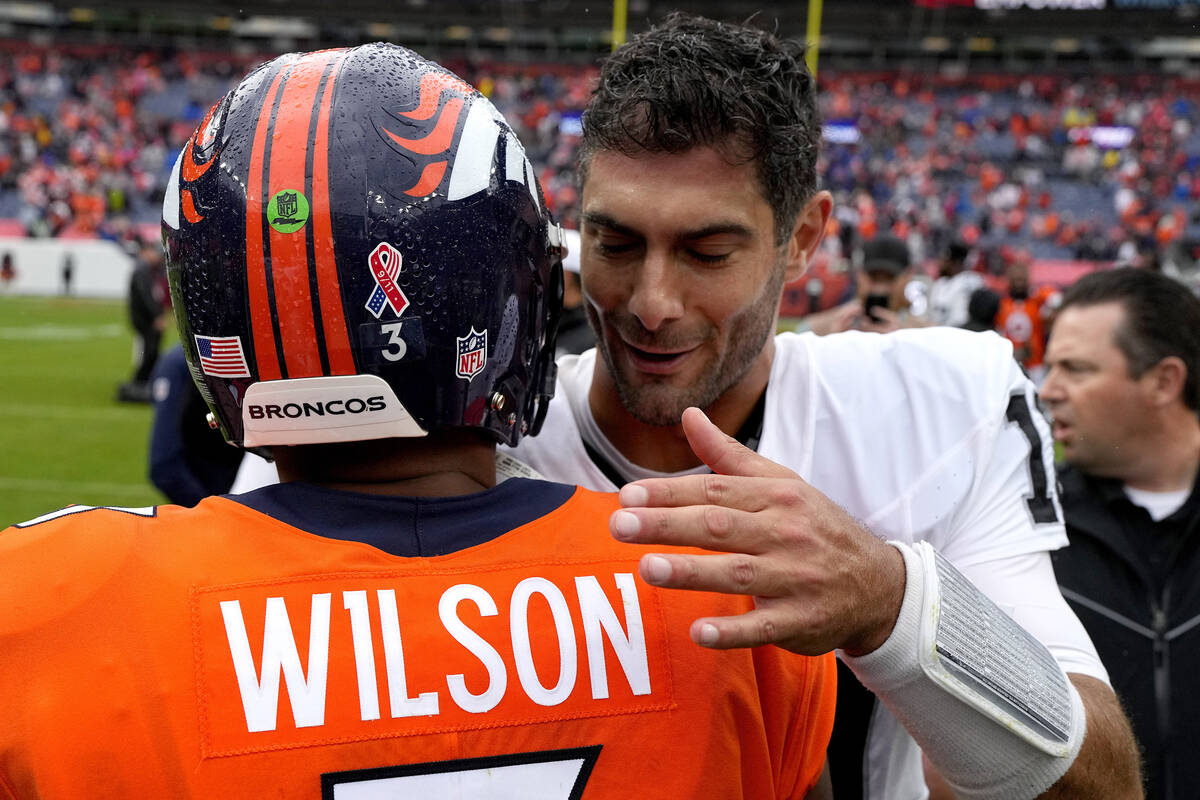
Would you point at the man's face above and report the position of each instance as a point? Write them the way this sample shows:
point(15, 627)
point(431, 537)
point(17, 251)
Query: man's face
point(879, 282)
point(681, 275)
point(1018, 280)
point(1100, 413)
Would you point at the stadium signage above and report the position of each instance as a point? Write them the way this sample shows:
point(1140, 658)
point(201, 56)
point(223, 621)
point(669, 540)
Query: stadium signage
point(1038, 5)
point(1106, 137)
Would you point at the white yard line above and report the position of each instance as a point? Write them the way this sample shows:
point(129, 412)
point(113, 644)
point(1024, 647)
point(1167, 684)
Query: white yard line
point(63, 332)
point(92, 488)
point(124, 412)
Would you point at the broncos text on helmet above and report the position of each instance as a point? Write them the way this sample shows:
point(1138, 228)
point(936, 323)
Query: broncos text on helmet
point(357, 248)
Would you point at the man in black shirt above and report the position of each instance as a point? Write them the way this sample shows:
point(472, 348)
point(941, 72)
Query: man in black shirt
point(1123, 388)
point(147, 314)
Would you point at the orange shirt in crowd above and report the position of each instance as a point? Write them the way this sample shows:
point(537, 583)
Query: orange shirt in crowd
point(1024, 323)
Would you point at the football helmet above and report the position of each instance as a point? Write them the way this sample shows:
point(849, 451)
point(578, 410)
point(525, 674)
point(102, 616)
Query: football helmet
point(357, 248)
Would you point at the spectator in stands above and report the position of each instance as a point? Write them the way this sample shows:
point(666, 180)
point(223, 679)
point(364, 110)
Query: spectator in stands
point(951, 291)
point(1124, 389)
point(1023, 317)
point(879, 304)
point(189, 460)
point(147, 314)
point(84, 138)
point(885, 265)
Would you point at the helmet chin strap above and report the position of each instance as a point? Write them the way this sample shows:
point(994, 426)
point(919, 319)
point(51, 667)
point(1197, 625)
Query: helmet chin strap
point(546, 374)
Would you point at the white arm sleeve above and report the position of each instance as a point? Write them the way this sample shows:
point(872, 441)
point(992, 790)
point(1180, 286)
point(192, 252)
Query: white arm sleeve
point(1025, 588)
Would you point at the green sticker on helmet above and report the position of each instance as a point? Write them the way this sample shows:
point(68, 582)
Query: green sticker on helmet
point(288, 211)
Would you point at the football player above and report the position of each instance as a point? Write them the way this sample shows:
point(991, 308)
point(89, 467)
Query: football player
point(367, 281)
point(699, 201)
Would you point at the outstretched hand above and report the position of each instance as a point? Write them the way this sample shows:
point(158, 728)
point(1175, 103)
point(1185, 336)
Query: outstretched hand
point(819, 580)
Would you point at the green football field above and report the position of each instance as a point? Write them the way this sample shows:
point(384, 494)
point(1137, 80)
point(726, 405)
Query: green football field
point(63, 437)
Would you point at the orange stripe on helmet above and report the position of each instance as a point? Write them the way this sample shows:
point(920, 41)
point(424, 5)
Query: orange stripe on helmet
point(433, 83)
point(431, 176)
point(189, 169)
point(289, 246)
point(438, 140)
point(333, 318)
point(265, 357)
point(189, 207)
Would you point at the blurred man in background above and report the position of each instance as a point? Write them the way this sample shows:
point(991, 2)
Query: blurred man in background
point(879, 305)
point(1124, 390)
point(1023, 316)
point(951, 291)
point(148, 315)
point(8, 271)
point(885, 265)
point(981, 310)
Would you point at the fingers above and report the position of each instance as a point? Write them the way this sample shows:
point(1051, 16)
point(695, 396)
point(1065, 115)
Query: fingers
point(735, 573)
point(723, 454)
point(728, 491)
point(752, 629)
point(709, 527)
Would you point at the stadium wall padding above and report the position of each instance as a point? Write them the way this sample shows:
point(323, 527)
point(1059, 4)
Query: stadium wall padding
point(101, 267)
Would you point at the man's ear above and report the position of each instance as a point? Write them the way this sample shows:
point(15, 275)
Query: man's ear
point(1164, 381)
point(807, 233)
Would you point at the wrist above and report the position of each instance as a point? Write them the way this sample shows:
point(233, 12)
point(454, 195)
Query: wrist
point(892, 587)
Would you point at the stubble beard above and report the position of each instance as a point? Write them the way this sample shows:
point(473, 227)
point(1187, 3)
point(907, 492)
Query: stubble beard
point(656, 401)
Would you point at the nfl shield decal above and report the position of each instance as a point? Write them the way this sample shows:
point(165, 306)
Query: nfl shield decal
point(472, 353)
point(385, 262)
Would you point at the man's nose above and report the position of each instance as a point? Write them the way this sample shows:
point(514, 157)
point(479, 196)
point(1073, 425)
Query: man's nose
point(1052, 390)
point(657, 296)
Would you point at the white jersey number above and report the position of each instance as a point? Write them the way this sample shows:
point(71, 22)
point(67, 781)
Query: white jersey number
point(546, 775)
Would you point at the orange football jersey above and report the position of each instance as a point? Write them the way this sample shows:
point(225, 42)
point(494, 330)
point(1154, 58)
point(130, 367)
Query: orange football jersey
point(220, 652)
point(1023, 322)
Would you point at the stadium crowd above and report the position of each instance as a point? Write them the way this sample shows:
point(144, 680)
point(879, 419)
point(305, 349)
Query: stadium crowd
point(1094, 169)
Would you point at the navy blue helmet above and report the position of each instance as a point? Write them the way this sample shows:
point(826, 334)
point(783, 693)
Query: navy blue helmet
point(357, 248)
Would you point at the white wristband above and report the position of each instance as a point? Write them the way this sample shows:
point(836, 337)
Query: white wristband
point(984, 699)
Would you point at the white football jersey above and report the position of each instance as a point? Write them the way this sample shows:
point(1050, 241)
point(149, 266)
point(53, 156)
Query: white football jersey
point(923, 434)
point(950, 298)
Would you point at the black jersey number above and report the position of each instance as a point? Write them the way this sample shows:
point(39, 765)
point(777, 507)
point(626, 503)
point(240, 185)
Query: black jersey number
point(548, 774)
point(1040, 504)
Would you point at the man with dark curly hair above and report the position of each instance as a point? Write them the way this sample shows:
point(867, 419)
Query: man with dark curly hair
point(858, 486)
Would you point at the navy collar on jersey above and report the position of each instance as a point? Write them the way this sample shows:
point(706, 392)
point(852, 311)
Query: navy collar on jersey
point(749, 434)
point(408, 526)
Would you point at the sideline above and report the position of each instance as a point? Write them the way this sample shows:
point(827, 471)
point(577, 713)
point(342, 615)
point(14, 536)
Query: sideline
point(62, 332)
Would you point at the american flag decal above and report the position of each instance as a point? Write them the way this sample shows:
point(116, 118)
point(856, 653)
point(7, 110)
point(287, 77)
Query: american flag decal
point(222, 356)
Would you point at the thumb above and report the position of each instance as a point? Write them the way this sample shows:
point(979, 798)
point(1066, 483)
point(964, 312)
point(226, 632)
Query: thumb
point(724, 454)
